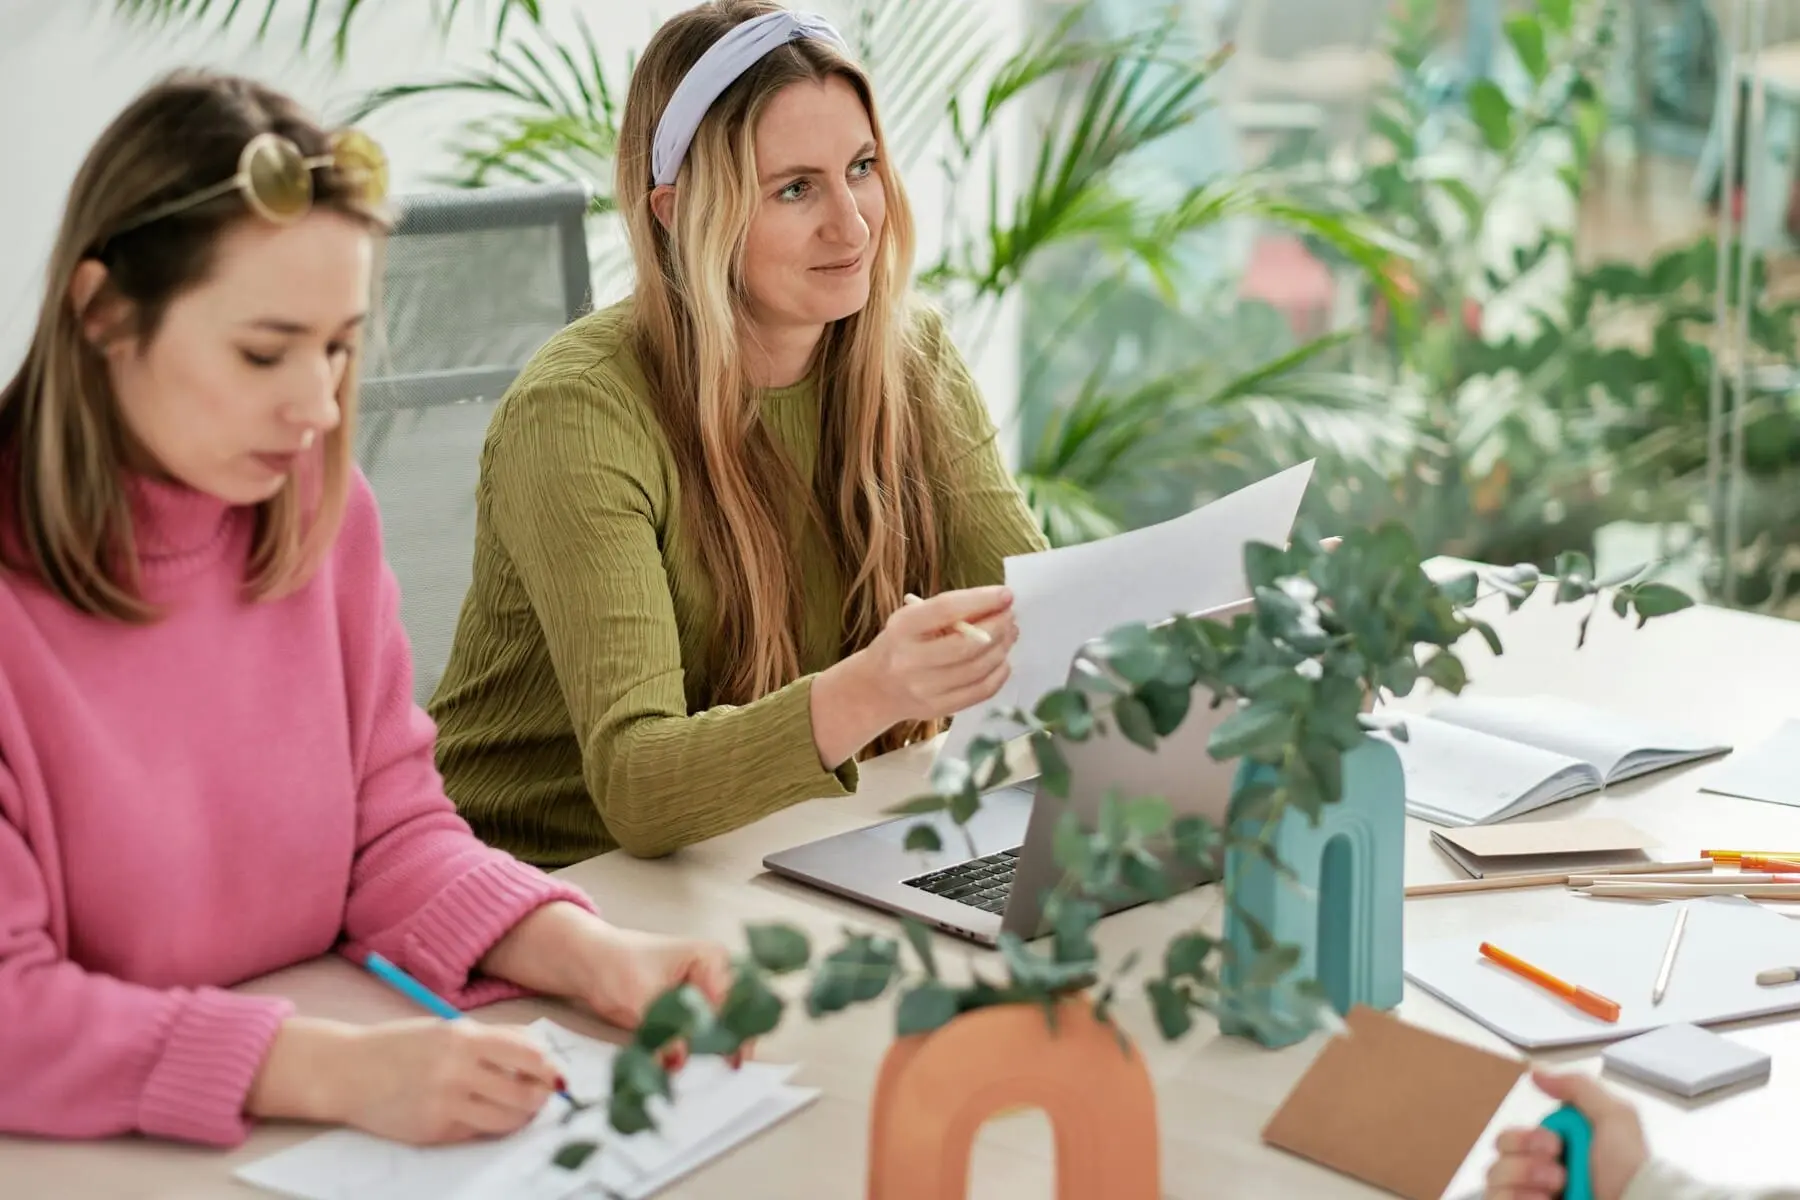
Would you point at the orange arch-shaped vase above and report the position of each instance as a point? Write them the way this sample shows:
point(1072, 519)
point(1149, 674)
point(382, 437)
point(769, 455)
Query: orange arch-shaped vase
point(936, 1090)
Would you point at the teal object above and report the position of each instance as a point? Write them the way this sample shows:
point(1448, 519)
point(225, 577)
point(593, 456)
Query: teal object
point(1577, 1136)
point(1345, 909)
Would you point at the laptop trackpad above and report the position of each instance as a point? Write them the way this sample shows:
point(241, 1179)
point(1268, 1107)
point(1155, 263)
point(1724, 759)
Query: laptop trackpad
point(998, 825)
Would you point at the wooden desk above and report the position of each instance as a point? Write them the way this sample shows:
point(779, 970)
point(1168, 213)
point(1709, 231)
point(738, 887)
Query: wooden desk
point(1726, 674)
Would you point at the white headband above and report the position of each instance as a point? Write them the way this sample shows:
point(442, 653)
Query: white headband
point(718, 69)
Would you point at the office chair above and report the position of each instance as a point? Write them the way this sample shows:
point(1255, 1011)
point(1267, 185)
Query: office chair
point(472, 284)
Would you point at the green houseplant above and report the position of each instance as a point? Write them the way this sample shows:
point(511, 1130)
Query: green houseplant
point(1100, 443)
point(1328, 628)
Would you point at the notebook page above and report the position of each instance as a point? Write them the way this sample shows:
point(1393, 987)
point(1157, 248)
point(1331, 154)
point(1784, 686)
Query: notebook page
point(714, 1109)
point(1617, 746)
point(1460, 776)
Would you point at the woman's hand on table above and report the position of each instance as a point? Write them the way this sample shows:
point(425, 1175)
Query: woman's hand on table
point(425, 1081)
point(562, 950)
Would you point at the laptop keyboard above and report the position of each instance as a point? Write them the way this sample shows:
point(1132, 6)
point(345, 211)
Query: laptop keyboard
point(980, 883)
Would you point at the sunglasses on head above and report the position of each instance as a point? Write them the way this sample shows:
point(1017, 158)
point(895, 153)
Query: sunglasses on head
point(276, 178)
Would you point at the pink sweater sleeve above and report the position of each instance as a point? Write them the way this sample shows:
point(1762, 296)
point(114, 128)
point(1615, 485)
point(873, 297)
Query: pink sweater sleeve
point(424, 892)
point(85, 1055)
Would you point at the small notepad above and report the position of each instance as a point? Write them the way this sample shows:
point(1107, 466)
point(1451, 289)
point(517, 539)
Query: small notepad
point(1686, 1060)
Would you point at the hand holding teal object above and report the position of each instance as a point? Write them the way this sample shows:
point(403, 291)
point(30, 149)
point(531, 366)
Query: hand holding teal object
point(1577, 1138)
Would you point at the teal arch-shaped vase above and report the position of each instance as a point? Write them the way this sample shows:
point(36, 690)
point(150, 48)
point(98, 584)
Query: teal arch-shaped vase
point(1345, 910)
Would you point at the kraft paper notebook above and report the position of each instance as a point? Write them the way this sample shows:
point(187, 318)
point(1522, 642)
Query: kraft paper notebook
point(1541, 847)
point(1481, 759)
point(1393, 1105)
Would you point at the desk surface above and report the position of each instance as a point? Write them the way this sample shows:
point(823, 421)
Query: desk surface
point(1725, 674)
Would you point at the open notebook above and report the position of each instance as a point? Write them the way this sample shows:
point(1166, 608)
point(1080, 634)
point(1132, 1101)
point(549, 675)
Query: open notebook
point(1479, 759)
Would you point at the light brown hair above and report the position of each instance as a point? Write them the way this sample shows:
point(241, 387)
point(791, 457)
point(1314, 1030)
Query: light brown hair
point(871, 496)
point(64, 446)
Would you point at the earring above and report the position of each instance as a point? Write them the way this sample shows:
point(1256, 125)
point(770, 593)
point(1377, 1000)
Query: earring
point(306, 440)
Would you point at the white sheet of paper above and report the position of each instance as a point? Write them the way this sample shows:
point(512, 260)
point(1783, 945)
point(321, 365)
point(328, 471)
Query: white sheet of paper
point(714, 1109)
point(1769, 771)
point(1614, 947)
point(1066, 597)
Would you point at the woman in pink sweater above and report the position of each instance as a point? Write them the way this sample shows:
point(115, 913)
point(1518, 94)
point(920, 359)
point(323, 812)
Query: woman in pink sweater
point(211, 766)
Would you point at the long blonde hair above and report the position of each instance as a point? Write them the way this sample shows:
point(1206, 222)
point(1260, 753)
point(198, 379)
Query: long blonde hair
point(64, 447)
point(872, 496)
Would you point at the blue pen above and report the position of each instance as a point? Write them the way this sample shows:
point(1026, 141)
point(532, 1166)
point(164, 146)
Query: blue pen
point(423, 996)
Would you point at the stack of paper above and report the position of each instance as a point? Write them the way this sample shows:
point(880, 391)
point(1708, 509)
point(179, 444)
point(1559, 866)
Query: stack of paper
point(714, 1109)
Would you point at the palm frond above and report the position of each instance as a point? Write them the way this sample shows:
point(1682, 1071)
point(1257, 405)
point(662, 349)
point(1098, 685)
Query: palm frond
point(1067, 512)
point(558, 119)
point(1102, 448)
point(222, 15)
point(921, 55)
point(1128, 103)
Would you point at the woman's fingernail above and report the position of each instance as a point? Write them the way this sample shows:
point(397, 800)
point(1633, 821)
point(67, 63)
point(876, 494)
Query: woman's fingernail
point(562, 1085)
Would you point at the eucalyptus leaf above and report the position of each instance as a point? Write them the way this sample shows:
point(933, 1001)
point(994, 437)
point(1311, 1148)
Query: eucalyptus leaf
point(1034, 974)
point(1187, 955)
point(1255, 729)
point(671, 1017)
point(1053, 768)
point(1167, 704)
point(858, 971)
point(1446, 671)
point(1066, 710)
point(1173, 1015)
point(919, 938)
point(1658, 600)
point(778, 948)
point(570, 1155)
point(1147, 816)
point(1072, 925)
point(924, 1007)
point(751, 1009)
point(1135, 722)
point(1462, 589)
point(1072, 845)
point(923, 838)
point(1574, 576)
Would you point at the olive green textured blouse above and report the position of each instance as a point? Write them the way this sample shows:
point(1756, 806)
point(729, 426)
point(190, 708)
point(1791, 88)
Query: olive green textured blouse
point(567, 724)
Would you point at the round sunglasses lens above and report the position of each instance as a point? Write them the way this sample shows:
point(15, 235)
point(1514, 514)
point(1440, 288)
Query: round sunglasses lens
point(361, 160)
point(280, 183)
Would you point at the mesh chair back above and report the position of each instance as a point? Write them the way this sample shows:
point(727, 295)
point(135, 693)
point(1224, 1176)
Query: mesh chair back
point(472, 284)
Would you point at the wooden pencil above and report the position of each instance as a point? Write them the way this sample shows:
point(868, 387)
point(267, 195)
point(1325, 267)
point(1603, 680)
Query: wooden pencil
point(1577, 881)
point(1678, 891)
point(1497, 883)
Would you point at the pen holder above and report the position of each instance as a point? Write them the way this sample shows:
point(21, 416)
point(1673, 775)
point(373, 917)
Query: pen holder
point(1577, 1136)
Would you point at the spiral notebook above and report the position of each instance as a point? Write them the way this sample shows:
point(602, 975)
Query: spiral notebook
point(1480, 759)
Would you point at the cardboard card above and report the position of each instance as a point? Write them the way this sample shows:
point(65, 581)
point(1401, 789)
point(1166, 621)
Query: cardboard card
point(1393, 1105)
point(1527, 846)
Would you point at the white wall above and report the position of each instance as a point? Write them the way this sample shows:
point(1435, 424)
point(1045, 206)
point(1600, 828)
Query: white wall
point(67, 66)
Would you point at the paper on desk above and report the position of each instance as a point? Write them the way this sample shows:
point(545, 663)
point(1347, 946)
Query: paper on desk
point(1769, 772)
point(714, 1109)
point(1066, 597)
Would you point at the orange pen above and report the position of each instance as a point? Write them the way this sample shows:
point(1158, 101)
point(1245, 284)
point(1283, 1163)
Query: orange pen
point(1592, 1003)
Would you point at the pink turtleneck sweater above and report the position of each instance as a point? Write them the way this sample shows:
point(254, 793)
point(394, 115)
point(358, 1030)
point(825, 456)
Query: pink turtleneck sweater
point(186, 805)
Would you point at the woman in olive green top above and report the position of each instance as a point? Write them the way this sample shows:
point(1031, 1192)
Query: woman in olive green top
point(702, 511)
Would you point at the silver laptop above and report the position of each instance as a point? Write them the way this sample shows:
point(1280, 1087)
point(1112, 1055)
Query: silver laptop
point(991, 875)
